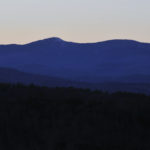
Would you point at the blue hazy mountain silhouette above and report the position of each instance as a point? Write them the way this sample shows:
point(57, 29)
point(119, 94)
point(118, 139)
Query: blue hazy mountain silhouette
point(109, 61)
point(14, 76)
point(8, 75)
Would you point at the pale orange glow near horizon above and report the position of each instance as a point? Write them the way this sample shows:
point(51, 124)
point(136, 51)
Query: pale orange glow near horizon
point(78, 21)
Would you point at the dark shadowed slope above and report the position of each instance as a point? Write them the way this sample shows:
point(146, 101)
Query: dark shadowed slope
point(109, 61)
point(14, 76)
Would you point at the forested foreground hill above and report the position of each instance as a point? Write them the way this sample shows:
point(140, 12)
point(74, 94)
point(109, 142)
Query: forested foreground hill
point(41, 118)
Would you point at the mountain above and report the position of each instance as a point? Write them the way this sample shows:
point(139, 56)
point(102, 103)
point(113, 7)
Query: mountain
point(14, 76)
point(124, 61)
point(8, 75)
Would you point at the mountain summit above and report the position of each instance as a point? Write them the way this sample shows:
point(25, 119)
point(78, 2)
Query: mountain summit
point(55, 40)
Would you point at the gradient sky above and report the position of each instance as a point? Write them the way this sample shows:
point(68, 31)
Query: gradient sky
point(23, 21)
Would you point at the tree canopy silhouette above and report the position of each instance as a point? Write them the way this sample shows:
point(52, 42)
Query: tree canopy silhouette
point(41, 118)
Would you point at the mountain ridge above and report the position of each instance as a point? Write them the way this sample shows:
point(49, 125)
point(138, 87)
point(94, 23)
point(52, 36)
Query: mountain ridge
point(13, 76)
point(57, 39)
point(108, 61)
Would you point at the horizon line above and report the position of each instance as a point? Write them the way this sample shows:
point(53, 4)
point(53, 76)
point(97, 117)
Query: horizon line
point(61, 40)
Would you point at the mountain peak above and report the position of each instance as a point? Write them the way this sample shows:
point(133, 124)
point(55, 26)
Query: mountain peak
point(47, 41)
point(56, 39)
point(53, 39)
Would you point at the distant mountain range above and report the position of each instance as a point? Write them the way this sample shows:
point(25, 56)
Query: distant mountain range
point(14, 76)
point(59, 61)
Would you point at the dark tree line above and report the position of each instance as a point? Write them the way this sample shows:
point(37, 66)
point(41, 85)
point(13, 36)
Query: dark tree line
point(41, 118)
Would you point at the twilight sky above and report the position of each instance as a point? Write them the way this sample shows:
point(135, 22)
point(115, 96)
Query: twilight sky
point(23, 21)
